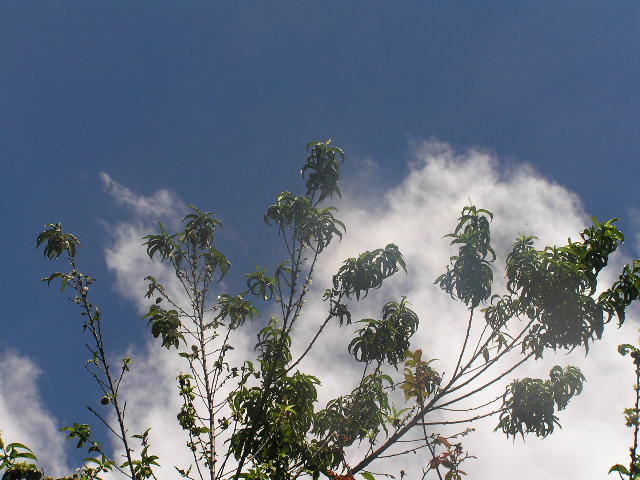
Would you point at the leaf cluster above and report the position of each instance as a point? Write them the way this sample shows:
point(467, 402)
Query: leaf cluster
point(276, 420)
point(553, 288)
point(469, 275)
point(623, 293)
point(312, 226)
point(357, 416)
point(195, 242)
point(530, 404)
point(322, 169)
point(58, 241)
point(359, 275)
point(386, 339)
point(12, 458)
point(421, 380)
point(166, 325)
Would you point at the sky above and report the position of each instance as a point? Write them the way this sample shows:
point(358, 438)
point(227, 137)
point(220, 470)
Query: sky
point(115, 114)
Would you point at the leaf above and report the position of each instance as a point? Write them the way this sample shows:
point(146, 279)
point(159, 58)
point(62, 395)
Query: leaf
point(368, 476)
point(53, 276)
point(626, 348)
point(26, 455)
point(620, 469)
point(17, 445)
point(443, 441)
point(485, 354)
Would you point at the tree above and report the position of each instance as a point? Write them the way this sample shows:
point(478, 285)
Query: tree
point(258, 419)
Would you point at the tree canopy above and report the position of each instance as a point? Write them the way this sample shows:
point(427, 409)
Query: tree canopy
point(259, 418)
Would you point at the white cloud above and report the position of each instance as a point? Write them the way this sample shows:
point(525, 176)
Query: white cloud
point(415, 215)
point(162, 203)
point(23, 417)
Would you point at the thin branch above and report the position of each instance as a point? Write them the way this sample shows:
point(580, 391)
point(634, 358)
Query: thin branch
point(405, 451)
point(488, 383)
point(106, 424)
point(466, 420)
point(471, 408)
point(464, 345)
point(492, 361)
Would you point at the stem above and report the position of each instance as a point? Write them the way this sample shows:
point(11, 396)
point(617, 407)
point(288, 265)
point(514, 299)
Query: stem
point(466, 420)
point(464, 345)
point(198, 304)
point(482, 387)
point(489, 364)
point(633, 469)
point(424, 428)
point(93, 322)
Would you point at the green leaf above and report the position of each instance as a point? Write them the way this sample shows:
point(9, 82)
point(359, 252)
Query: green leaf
point(368, 476)
point(17, 445)
point(26, 455)
point(620, 469)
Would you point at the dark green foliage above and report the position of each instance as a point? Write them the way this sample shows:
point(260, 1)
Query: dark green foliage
point(187, 415)
point(323, 169)
point(165, 324)
point(200, 227)
point(80, 431)
point(161, 243)
point(273, 344)
point(469, 276)
point(57, 241)
point(623, 293)
point(386, 339)
point(236, 309)
point(22, 471)
point(12, 452)
point(196, 243)
point(260, 284)
point(553, 287)
point(313, 227)
point(368, 271)
point(338, 310)
point(143, 467)
point(530, 404)
point(276, 416)
point(357, 416)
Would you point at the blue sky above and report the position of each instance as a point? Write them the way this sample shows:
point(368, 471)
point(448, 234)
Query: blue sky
point(214, 101)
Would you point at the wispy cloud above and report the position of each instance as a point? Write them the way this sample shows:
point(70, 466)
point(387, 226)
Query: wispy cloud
point(162, 203)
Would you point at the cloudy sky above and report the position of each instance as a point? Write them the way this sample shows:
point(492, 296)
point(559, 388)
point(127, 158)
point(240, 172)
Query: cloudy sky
point(113, 115)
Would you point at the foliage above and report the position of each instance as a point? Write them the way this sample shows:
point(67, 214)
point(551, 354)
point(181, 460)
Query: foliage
point(258, 418)
point(530, 404)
